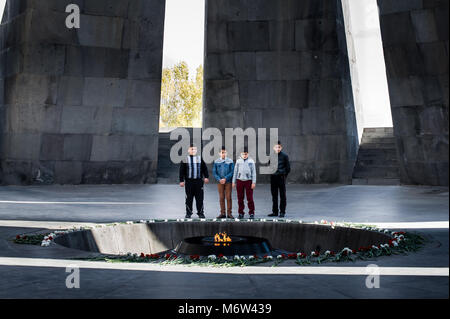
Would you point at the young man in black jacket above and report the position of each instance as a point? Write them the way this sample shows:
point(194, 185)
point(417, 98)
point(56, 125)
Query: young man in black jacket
point(278, 181)
point(193, 173)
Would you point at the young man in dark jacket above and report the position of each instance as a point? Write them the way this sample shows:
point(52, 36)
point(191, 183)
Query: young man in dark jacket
point(278, 181)
point(193, 173)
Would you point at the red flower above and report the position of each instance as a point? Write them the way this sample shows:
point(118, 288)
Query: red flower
point(302, 255)
point(154, 256)
point(353, 250)
point(194, 257)
point(142, 255)
point(283, 256)
point(50, 237)
point(167, 256)
point(292, 256)
point(18, 237)
point(255, 256)
point(332, 253)
point(24, 237)
point(220, 256)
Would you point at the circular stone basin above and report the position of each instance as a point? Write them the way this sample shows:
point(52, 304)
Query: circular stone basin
point(206, 245)
point(157, 237)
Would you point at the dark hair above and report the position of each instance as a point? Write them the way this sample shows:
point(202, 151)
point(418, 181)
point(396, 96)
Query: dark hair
point(223, 148)
point(245, 150)
point(279, 143)
point(192, 145)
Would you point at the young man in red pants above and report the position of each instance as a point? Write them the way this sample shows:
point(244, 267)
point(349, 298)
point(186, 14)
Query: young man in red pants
point(244, 178)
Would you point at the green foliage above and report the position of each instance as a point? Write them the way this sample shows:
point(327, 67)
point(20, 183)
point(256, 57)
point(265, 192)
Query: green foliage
point(181, 97)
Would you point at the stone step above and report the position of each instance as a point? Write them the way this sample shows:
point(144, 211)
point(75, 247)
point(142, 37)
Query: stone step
point(376, 181)
point(376, 172)
point(377, 146)
point(378, 130)
point(377, 161)
point(377, 140)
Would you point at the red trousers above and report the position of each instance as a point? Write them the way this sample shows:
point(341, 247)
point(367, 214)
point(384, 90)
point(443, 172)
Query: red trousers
point(240, 187)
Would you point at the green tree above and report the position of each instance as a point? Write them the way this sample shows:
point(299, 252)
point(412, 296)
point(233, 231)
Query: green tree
point(181, 97)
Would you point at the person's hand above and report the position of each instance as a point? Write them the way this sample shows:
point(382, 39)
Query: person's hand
point(233, 185)
point(182, 184)
point(206, 180)
point(253, 186)
point(223, 181)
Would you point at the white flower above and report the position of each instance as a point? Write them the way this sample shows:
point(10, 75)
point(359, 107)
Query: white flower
point(300, 221)
point(263, 220)
point(394, 243)
point(203, 219)
point(151, 221)
point(348, 250)
point(236, 219)
point(236, 257)
point(212, 257)
point(129, 222)
point(269, 257)
point(166, 220)
point(279, 257)
point(299, 254)
point(313, 253)
point(386, 231)
point(316, 222)
point(275, 220)
point(214, 219)
point(224, 258)
point(374, 247)
point(242, 257)
point(288, 221)
point(327, 253)
point(323, 221)
point(251, 257)
point(142, 221)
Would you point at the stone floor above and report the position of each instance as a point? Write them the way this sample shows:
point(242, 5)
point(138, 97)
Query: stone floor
point(39, 272)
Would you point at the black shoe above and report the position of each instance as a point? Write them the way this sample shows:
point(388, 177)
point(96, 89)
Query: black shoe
point(282, 215)
point(188, 215)
point(273, 215)
point(241, 216)
point(201, 215)
point(252, 216)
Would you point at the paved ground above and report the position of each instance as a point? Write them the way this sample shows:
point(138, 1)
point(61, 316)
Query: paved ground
point(39, 272)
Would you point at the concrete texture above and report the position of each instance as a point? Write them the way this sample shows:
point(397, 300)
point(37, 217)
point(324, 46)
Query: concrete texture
point(159, 237)
point(80, 105)
point(284, 64)
point(29, 209)
point(415, 40)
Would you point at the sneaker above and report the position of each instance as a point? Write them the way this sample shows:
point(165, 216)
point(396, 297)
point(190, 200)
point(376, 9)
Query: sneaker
point(273, 215)
point(252, 216)
point(188, 215)
point(282, 215)
point(230, 216)
point(241, 216)
point(201, 215)
point(221, 216)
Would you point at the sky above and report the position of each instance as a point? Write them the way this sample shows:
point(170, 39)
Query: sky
point(184, 32)
point(370, 66)
point(2, 7)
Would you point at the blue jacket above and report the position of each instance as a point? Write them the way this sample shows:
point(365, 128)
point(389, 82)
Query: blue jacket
point(223, 168)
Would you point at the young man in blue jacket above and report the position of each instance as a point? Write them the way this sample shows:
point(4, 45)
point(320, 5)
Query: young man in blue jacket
point(223, 169)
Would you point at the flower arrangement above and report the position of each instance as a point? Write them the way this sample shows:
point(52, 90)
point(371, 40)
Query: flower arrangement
point(400, 242)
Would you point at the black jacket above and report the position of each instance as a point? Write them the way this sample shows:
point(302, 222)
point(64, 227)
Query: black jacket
point(184, 171)
point(284, 167)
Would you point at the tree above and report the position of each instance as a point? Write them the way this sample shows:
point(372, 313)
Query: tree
point(181, 97)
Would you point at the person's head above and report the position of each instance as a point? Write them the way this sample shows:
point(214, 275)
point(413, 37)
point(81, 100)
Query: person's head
point(244, 153)
point(223, 152)
point(277, 147)
point(192, 150)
